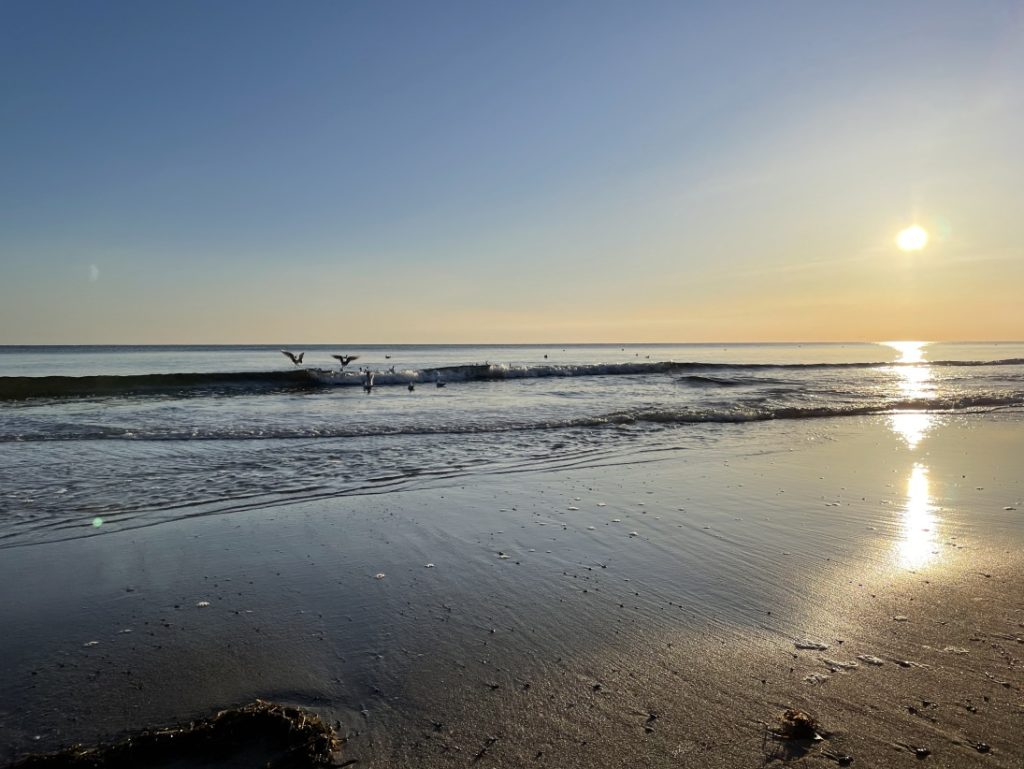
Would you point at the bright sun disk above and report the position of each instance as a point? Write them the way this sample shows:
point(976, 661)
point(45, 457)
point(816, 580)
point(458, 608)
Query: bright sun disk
point(912, 239)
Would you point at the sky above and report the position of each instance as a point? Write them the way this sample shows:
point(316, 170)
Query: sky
point(410, 172)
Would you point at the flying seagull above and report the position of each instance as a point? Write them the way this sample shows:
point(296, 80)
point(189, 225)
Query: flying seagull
point(296, 359)
point(344, 360)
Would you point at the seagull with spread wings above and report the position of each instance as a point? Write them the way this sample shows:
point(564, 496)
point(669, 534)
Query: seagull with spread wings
point(344, 360)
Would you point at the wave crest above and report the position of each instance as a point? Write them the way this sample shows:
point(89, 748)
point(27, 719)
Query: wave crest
point(25, 387)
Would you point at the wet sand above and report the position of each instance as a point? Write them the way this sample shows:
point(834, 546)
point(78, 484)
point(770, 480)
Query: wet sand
point(646, 612)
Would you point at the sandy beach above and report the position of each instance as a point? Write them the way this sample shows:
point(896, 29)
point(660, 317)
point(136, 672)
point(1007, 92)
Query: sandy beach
point(662, 609)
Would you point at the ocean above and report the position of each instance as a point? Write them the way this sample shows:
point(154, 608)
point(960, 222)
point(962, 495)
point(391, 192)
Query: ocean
point(102, 438)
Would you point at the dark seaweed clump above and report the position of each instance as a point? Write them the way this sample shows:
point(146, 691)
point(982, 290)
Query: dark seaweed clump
point(261, 734)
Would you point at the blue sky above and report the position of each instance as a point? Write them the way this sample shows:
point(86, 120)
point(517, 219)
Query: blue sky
point(431, 172)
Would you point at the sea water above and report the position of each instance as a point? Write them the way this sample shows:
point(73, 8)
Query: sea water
point(105, 438)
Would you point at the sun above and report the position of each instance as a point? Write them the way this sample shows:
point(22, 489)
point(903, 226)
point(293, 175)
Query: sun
point(912, 238)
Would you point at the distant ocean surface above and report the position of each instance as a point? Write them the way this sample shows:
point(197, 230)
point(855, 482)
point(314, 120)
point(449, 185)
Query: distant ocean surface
point(101, 438)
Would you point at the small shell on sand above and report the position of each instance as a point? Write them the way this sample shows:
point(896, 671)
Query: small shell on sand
point(202, 604)
point(90, 643)
point(870, 660)
point(379, 575)
point(428, 566)
point(572, 507)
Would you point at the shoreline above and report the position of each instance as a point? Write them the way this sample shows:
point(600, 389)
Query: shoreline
point(568, 646)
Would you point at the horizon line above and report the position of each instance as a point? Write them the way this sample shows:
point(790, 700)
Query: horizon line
point(508, 344)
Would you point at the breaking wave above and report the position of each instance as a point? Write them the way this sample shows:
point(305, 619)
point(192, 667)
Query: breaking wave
point(186, 384)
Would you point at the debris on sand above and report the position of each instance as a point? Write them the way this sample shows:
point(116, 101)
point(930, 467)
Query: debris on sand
point(265, 733)
point(910, 664)
point(798, 725)
point(808, 643)
point(871, 660)
point(839, 666)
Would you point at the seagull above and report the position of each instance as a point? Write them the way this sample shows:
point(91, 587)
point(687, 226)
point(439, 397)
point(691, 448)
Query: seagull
point(368, 383)
point(440, 383)
point(344, 360)
point(296, 359)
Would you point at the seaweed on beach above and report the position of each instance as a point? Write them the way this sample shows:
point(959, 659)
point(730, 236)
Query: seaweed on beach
point(258, 734)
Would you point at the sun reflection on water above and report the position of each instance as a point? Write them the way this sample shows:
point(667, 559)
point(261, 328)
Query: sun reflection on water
point(914, 381)
point(911, 426)
point(916, 546)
